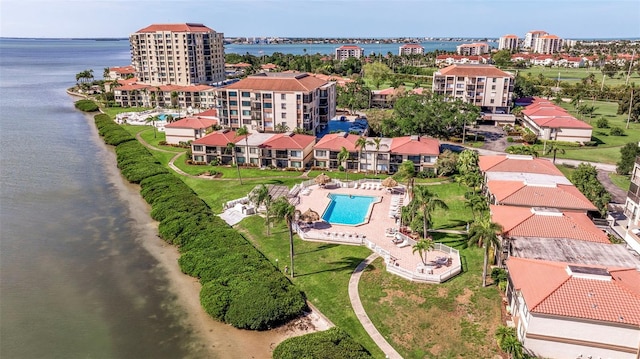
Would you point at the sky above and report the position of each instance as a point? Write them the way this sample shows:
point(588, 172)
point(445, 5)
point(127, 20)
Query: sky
point(571, 19)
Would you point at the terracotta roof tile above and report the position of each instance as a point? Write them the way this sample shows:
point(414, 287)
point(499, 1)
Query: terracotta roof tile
point(195, 123)
point(473, 70)
point(208, 113)
point(517, 193)
point(175, 28)
point(219, 138)
point(283, 141)
point(523, 222)
point(123, 69)
point(409, 145)
point(561, 122)
point(524, 164)
point(335, 142)
point(273, 82)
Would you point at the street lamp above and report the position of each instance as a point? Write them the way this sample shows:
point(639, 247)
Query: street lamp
point(277, 265)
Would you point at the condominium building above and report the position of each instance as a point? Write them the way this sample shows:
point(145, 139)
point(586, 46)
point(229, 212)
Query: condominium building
point(411, 49)
point(531, 37)
point(270, 102)
point(547, 44)
point(178, 54)
point(346, 51)
point(473, 49)
point(632, 208)
point(482, 85)
point(508, 42)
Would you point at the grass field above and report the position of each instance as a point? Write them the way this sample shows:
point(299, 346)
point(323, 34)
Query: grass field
point(573, 75)
point(113, 111)
point(322, 273)
point(458, 215)
point(623, 182)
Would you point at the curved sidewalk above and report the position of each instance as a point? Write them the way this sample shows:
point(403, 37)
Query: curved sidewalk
point(354, 297)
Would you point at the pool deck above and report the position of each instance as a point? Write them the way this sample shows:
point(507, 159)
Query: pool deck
point(374, 233)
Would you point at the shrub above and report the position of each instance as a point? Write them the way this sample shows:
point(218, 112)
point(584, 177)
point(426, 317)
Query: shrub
point(530, 138)
point(591, 143)
point(602, 123)
point(616, 131)
point(333, 343)
point(509, 139)
point(86, 106)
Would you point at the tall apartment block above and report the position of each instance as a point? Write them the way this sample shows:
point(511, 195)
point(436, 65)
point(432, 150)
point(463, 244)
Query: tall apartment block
point(485, 86)
point(508, 42)
point(411, 49)
point(346, 51)
point(177, 54)
point(472, 49)
point(274, 101)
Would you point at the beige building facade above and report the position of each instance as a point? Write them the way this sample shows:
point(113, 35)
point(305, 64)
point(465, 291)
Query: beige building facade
point(178, 54)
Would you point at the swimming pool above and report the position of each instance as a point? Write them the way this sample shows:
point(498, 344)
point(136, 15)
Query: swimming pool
point(347, 209)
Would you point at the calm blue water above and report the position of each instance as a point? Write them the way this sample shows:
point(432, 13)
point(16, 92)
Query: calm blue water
point(329, 49)
point(75, 281)
point(359, 125)
point(347, 209)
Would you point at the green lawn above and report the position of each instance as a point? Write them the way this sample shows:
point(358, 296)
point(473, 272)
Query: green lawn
point(573, 75)
point(456, 319)
point(623, 182)
point(113, 111)
point(567, 171)
point(458, 215)
point(322, 273)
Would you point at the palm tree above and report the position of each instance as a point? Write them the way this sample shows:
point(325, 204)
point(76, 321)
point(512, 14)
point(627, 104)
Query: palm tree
point(427, 202)
point(360, 144)
point(231, 147)
point(284, 210)
point(423, 246)
point(152, 120)
point(261, 196)
point(343, 157)
point(242, 131)
point(281, 127)
point(554, 148)
point(407, 171)
point(484, 233)
point(376, 142)
point(105, 73)
point(477, 203)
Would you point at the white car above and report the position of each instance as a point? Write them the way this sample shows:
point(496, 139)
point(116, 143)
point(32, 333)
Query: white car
point(636, 231)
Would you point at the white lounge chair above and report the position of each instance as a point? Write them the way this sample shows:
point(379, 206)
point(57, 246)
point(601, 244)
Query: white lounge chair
point(356, 185)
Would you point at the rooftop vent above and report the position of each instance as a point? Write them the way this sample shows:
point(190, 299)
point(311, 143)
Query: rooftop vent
point(415, 138)
point(588, 272)
point(519, 157)
point(544, 211)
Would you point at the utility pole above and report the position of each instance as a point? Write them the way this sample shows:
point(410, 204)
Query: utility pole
point(630, 103)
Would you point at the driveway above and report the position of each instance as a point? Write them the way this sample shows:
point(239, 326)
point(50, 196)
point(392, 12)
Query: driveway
point(494, 137)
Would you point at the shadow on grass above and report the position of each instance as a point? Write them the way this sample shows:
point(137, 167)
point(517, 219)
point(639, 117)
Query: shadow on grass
point(346, 264)
point(320, 248)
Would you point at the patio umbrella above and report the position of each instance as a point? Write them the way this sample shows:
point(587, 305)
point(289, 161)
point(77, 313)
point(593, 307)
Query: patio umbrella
point(389, 182)
point(310, 216)
point(322, 179)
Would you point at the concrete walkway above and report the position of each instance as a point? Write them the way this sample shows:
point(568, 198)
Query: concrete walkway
point(618, 195)
point(354, 297)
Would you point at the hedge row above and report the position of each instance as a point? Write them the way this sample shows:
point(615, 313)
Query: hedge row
point(330, 344)
point(240, 287)
point(112, 132)
point(86, 105)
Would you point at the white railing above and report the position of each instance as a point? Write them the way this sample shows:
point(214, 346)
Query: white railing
point(229, 204)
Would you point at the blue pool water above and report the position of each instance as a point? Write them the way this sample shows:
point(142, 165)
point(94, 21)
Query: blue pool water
point(347, 209)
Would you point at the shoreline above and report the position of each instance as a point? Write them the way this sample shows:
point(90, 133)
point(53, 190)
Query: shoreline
point(219, 340)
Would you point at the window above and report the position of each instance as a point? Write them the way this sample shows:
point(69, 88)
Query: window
point(266, 95)
point(321, 153)
point(233, 93)
point(246, 94)
point(246, 103)
point(233, 103)
point(493, 80)
point(492, 101)
point(268, 105)
point(197, 148)
point(283, 106)
point(283, 115)
point(283, 96)
point(493, 87)
point(234, 112)
point(296, 164)
point(296, 153)
point(253, 150)
point(246, 113)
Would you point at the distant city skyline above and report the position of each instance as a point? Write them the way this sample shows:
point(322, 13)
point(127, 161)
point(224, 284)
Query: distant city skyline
point(570, 19)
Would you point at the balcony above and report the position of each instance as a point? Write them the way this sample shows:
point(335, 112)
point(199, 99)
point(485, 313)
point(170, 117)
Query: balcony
point(282, 154)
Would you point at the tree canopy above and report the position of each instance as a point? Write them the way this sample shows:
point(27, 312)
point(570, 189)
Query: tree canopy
point(377, 73)
point(628, 155)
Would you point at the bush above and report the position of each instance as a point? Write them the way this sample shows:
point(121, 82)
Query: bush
point(329, 344)
point(530, 138)
point(86, 106)
point(616, 131)
point(591, 143)
point(509, 139)
point(602, 123)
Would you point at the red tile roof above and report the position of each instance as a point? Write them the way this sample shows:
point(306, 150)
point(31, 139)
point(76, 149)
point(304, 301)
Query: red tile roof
point(561, 122)
point(349, 47)
point(283, 141)
point(219, 138)
point(195, 88)
point(523, 222)
point(123, 69)
point(546, 114)
point(175, 28)
point(132, 87)
point(552, 288)
point(473, 70)
point(410, 145)
point(335, 142)
point(196, 123)
point(238, 65)
point(517, 193)
point(414, 46)
point(510, 36)
point(276, 82)
point(209, 113)
point(523, 164)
